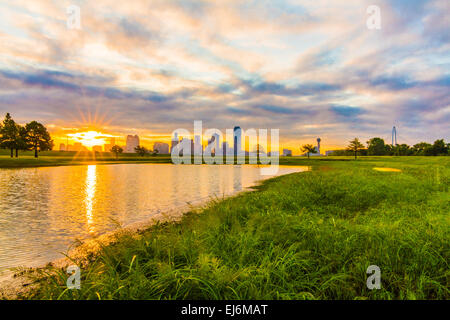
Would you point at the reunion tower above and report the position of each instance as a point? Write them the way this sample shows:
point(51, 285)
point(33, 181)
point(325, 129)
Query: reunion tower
point(394, 136)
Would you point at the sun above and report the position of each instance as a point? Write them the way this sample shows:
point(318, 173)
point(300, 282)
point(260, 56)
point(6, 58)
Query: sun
point(90, 139)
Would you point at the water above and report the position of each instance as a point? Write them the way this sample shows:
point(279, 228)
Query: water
point(44, 210)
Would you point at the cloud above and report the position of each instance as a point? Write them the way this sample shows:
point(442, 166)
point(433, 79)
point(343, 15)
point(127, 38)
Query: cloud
point(346, 111)
point(311, 68)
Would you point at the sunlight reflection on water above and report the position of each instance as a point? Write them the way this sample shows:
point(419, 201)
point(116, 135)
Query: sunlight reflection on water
point(91, 183)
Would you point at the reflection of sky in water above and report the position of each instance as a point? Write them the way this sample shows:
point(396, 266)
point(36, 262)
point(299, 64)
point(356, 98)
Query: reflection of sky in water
point(43, 210)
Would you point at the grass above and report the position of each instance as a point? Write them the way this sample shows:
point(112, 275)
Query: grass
point(56, 158)
point(307, 235)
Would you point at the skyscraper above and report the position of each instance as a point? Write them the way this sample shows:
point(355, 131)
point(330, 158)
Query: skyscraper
point(216, 138)
point(132, 143)
point(198, 148)
point(226, 148)
point(175, 141)
point(237, 141)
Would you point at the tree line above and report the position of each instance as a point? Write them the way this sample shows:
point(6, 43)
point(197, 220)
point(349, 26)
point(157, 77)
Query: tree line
point(32, 136)
point(142, 151)
point(377, 147)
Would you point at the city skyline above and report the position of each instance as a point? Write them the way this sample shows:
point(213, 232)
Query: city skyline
point(309, 68)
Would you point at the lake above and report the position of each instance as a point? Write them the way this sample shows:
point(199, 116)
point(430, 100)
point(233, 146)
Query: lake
point(44, 210)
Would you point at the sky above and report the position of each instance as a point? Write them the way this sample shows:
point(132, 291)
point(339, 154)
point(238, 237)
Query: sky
point(310, 68)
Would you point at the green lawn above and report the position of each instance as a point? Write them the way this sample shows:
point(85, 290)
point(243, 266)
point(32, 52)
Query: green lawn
point(56, 158)
point(306, 235)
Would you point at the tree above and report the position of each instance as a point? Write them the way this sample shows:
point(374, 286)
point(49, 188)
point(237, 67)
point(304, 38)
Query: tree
point(308, 148)
point(9, 134)
point(116, 150)
point(376, 147)
point(155, 152)
point(420, 148)
point(402, 150)
point(142, 151)
point(440, 148)
point(22, 143)
point(355, 146)
point(38, 137)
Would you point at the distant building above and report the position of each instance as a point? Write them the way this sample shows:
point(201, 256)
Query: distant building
point(237, 133)
point(185, 142)
point(316, 153)
point(175, 142)
point(287, 153)
point(198, 145)
point(329, 152)
point(97, 149)
point(192, 147)
point(226, 149)
point(161, 147)
point(107, 147)
point(62, 147)
point(132, 143)
point(216, 148)
point(112, 142)
point(318, 145)
point(77, 146)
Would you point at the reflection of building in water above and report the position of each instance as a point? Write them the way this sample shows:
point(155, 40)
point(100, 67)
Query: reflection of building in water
point(162, 148)
point(132, 143)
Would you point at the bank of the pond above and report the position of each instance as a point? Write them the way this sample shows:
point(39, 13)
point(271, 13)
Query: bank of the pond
point(307, 235)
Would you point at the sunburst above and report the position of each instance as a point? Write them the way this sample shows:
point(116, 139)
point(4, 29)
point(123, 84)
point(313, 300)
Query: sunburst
point(90, 139)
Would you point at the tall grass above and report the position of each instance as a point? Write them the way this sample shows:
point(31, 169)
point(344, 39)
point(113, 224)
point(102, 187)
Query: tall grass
point(302, 236)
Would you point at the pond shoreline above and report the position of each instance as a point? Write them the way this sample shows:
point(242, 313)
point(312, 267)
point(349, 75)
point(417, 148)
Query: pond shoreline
point(16, 284)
